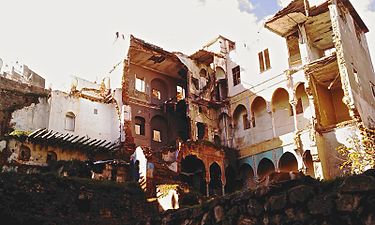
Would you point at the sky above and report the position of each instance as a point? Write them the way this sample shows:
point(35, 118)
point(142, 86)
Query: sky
point(60, 39)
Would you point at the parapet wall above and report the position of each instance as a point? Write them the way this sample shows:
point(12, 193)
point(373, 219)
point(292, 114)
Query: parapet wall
point(348, 200)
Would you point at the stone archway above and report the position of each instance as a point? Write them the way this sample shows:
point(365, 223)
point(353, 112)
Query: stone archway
point(265, 167)
point(282, 112)
point(215, 185)
point(288, 162)
point(247, 176)
point(309, 164)
point(193, 172)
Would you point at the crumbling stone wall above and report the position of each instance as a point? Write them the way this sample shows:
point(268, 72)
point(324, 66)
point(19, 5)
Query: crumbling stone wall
point(306, 201)
point(46, 199)
point(13, 96)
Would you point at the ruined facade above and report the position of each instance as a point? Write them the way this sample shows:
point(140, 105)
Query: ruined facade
point(286, 103)
point(222, 118)
point(41, 126)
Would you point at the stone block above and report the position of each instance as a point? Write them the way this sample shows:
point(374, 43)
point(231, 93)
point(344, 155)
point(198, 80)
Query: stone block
point(254, 207)
point(321, 205)
point(358, 184)
point(347, 203)
point(219, 213)
point(276, 202)
point(300, 194)
point(245, 220)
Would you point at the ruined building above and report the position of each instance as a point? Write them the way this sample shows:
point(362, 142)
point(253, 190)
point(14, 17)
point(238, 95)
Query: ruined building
point(229, 114)
point(294, 96)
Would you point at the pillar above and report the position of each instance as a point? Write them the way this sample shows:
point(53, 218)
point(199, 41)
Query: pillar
point(318, 169)
point(207, 187)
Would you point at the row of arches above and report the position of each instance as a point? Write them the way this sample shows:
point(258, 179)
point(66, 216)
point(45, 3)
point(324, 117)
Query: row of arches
point(193, 172)
point(275, 118)
point(287, 162)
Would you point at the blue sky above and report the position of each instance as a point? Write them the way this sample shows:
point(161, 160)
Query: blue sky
point(264, 8)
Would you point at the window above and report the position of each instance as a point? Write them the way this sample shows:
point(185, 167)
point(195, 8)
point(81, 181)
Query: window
point(95, 111)
point(236, 75)
point(156, 94)
point(70, 121)
point(246, 122)
point(180, 93)
point(264, 60)
point(156, 136)
point(299, 106)
point(201, 128)
point(139, 126)
point(140, 84)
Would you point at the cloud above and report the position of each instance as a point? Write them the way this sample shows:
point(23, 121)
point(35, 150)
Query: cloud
point(283, 3)
point(64, 38)
point(245, 6)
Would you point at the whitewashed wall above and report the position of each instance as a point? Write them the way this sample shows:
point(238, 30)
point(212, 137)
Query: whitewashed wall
point(103, 125)
point(32, 117)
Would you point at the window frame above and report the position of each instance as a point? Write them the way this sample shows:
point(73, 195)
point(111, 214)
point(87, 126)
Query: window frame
point(155, 131)
point(236, 75)
point(264, 60)
point(72, 117)
point(246, 122)
point(156, 94)
point(140, 84)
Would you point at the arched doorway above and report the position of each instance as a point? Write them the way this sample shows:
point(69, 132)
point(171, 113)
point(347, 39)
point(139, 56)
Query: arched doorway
point(303, 115)
point(282, 112)
point(230, 177)
point(288, 162)
point(215, 186)
point(193, 172)
point(265, 167)
point(309, 164)
point(261, 121)
point(240, 118)
point(247, 176)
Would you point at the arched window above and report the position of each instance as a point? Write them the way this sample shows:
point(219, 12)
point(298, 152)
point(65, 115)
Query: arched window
point(302, 99)
point(258, 109)
point(139, 126)
point(70, 121)
point(24, 153)
point(203, 73)
point(240, 118)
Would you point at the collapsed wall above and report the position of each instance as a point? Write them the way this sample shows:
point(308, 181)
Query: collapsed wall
point(14, 96)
